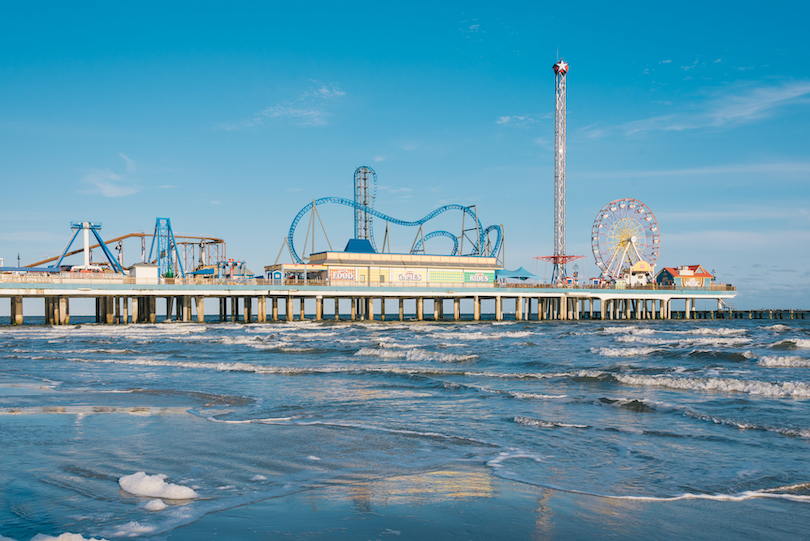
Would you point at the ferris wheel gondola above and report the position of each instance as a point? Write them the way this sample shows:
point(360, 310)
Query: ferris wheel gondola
point(625, 236)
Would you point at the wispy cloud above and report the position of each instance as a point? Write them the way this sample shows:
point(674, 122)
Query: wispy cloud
point(521, 121)
point(727, 107)
point(110, 184)
point(131, 168)
point(308, 109)
point(800, 169)
point(379, 158)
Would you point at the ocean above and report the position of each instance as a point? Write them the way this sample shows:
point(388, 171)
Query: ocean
point(485, 430)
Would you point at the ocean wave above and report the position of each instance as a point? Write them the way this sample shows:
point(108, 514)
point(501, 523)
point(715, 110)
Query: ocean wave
point(634, 329)
point(529, 421)
point(777, 328)
point(792, 343)
point(742, 425)
point(788, 388)
point(623, 352)
point(482, 335)
point(790, 361)
point(416, 355)
point(499, 468)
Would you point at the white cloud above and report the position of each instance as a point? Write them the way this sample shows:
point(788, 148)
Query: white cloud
point(306, 110)
point(726, 107)
point(379, 158)
point(109, 184)
point(798, 168)
point(666, 61)
point(521, 120)
point(130, 162)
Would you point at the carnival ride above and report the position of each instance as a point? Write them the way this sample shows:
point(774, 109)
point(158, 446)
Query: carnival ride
point(624, 233)
point(168, 251)
point(478, 237)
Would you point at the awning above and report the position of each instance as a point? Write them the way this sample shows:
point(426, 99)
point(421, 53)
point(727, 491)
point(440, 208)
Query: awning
point(519, 274)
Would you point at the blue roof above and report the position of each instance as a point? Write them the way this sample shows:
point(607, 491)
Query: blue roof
point(359, 246)
point(521, 274)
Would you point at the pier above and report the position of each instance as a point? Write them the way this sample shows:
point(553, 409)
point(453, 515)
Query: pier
point(122, 300)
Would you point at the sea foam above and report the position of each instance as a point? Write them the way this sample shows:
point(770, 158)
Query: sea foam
point(155, 486)
point(790, 361)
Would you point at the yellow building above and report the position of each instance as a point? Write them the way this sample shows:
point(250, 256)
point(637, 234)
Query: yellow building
point(353, 268)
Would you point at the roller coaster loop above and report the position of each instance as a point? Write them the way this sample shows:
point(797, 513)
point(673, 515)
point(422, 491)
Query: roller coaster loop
point(434, 234)
point(433, 214)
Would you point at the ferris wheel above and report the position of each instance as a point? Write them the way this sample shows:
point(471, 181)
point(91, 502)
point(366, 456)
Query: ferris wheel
point(624, 233)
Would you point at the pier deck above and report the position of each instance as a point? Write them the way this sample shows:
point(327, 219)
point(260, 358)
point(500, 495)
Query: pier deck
point(125, 300)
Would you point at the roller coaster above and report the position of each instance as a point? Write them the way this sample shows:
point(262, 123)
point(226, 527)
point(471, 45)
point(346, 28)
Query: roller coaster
point(481, 245)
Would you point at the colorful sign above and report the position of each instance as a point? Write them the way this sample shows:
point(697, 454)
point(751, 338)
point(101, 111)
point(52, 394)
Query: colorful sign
point(484, 277)
point(691, 281)
point(408, 276)
point(342, 275)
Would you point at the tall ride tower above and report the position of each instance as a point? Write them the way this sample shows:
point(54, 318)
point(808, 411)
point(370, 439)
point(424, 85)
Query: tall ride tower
point(560, 72)
point(365, 190)
point(559, 259)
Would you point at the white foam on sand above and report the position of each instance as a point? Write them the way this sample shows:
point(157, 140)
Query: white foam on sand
point(155, 486)
point(154, 505)
point(790, 361)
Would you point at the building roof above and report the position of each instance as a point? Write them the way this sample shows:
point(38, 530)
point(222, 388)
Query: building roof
point(520, 274)
point(687, 270)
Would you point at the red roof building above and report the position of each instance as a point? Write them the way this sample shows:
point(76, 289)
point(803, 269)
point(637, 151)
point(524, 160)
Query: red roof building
point(684, 276)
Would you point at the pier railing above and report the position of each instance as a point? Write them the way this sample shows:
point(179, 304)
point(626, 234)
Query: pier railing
point(104, 279)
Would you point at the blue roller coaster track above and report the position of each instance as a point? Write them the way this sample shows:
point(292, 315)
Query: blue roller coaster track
point(482, 233)
point(434, 234)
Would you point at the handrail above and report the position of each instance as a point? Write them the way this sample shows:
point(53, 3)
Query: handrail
point(109, 278)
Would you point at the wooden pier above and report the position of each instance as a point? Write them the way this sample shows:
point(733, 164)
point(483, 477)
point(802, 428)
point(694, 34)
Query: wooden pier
point(123, 300)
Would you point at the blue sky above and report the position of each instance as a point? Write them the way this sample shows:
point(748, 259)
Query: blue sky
point(230, 118)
